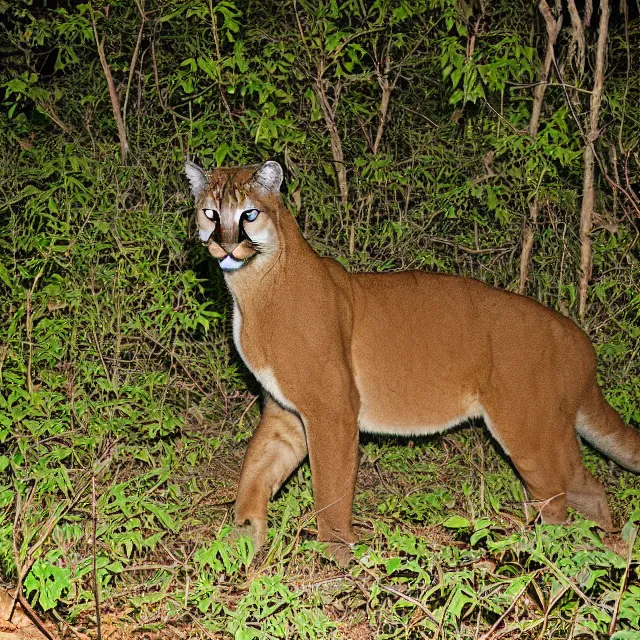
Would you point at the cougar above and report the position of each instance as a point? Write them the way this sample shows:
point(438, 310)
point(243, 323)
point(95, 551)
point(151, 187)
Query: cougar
point(408, 353)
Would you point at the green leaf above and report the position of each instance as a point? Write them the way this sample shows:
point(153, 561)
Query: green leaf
point(456, 522)
point(392, 564)
point(492, 199)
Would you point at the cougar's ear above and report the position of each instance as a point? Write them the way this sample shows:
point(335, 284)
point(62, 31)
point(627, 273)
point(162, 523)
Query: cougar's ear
point(197, 178)
point(268, 177)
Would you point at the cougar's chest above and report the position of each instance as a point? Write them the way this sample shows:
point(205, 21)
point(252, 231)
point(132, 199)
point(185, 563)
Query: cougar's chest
point(254, 356)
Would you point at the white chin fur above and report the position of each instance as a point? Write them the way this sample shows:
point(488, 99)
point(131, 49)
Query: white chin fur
point(230, 264)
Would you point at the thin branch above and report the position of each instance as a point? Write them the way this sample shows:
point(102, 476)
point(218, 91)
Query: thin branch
point(577, 36)
point(49, 110)
point(155, 73)
point(387, 87)
point(625, 11)
point(113, 92)
point(628, 192)
point(623, 583)
point(178, 360)
point(588, 189)
point(517, 597)
point(30, 293)
point(329, 109)
point(33, 616)
point(553, 26)
point(475, 252)
point(96, 583)
point(132, 65)
point(408, 598)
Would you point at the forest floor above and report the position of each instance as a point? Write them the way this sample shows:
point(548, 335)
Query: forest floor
point(446, 552)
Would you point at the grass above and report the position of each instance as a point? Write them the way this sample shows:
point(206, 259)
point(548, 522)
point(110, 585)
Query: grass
point(446, 551)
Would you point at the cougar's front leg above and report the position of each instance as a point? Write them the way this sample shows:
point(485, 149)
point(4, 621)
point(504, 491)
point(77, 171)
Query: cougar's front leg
point(332, 437)
point(276, 449)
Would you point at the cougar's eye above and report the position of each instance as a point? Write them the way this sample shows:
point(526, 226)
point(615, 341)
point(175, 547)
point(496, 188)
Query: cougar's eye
point(210, 213)
point(251, 214)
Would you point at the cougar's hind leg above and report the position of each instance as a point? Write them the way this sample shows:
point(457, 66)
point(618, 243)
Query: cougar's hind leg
point(544, 450)
point(587, 495)
point(276, 449)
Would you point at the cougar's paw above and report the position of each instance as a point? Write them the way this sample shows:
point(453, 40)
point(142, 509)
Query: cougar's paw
point(363, 533)
point(255, 530)
point(340, 553)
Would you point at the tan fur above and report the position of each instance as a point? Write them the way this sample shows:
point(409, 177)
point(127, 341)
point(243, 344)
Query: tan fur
point(406, 353)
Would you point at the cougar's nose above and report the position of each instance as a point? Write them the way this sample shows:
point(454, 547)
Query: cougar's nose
point(228, 237)
point(229, 246)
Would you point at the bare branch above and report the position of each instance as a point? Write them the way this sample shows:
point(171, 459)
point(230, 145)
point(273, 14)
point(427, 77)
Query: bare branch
point(386, 87)
point(553, 26)
point(588, 190)
point(96, 583)
point(134, 61)
point(329, 108)
point(113, 93)
point(577, 36)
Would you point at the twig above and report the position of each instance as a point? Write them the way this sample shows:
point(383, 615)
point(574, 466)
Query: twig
point(628, 192)
point(414, 601)
point(477, 252)
point(588, 189)
point(498, 622)
point(49, 110)
point(132, 65)
point(577, 34)
point(93, 328)
point(566, 580)
point(178, 360)
point(329, 111)
point(623, 582)
point(197, 622)
point(153, 567)
point(20, 509)
point(113, 92)
point(30, 328)
point(155, 73)
point(30, 558)
point(76, 633)
point(625, 12)
point(214, 29)
point(447, 604)
point(553, 27)
point(244, 413)
point(552, 603)
point(386, 87)
point(35, 618)
point(96, 584)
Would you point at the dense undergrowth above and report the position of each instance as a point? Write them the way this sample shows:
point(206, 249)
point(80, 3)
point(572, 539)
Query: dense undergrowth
point(124, 412)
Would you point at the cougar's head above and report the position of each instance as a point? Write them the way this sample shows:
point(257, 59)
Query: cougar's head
point(232, 209)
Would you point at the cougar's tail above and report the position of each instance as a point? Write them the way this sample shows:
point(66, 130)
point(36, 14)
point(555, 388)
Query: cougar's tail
point(602, 427)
